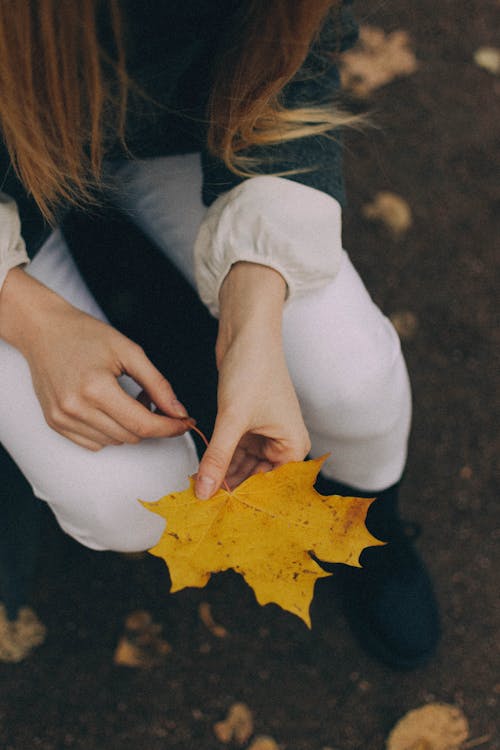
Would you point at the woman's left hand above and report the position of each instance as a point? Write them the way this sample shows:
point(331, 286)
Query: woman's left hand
point(259, 424)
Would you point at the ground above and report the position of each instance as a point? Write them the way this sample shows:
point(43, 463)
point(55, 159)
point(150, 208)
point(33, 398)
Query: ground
point(436, 145)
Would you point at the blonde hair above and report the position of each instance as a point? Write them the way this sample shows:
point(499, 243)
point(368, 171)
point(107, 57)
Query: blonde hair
point(246, 107)
point(74, 95)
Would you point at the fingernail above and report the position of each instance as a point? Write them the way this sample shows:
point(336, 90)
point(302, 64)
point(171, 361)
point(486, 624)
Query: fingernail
point(180, 409)
point(204, 487)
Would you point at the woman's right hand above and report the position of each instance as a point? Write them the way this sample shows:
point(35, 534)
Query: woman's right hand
point(75, 361)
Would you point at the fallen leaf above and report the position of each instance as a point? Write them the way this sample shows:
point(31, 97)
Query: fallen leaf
point(405, 323)
point(265, 529)
point(237, 726)
point(391, 210)
point(205, 613)
point(488, 58)
point(19, 637)
point(466, 472)
point(141, 645)
point(436, 726)
point(376, 60)
point(263, 742)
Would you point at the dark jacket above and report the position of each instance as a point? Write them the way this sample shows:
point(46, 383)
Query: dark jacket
point(171, 47)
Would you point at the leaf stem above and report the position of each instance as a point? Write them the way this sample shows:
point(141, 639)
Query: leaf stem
point(192, 426)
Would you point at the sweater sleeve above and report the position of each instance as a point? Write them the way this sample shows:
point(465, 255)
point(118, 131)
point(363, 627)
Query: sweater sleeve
point(290, 223)
point(12, 247)
point(292, 228)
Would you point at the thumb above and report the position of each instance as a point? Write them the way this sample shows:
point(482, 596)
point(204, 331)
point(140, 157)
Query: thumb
point(217, 457)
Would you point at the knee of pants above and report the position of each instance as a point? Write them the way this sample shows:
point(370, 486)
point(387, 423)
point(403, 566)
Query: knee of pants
point(102, 508)
point(361, 401)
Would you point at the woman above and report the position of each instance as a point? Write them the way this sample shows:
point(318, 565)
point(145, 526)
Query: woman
point(210, 128)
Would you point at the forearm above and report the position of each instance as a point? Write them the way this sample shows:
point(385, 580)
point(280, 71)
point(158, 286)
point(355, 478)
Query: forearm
point(24, 304)
point(251, 300)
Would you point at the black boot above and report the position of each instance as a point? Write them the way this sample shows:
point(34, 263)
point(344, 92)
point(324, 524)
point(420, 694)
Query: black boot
point(389, 602)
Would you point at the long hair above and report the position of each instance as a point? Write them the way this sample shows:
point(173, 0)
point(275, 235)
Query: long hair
point(62, 95)
point(245, 105)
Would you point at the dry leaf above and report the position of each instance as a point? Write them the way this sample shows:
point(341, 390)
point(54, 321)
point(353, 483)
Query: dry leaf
point(488, 58)
point(405, 323)
point(205, 613)
point(466, 472)
point(141, 645)
point(436, 726)
point(19, 637)
point(265, 529)
point(263, 742)
point(391, 210)
point(376, 59)
point(237, 726)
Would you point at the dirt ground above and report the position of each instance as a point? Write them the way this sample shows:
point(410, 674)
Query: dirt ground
point(436, 145)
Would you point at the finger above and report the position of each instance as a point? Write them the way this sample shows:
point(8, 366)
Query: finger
point(134, 417)
point(144, 399)
point(217, 457)
point(82, 441)
point(66, 424)
point(97, 426)
point(157, 387)
point(239, 459)
point(109, 427)
point(244, 468)
point(246, 471)
point(281, 452)
point(89, 433)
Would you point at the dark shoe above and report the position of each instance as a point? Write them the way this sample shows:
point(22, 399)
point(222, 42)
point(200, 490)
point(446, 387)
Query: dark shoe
point(389, 602)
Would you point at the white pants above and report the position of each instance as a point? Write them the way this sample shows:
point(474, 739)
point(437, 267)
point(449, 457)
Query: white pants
point(343, 354)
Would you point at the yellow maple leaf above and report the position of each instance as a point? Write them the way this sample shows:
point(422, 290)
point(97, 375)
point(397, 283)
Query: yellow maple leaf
point(265, 529)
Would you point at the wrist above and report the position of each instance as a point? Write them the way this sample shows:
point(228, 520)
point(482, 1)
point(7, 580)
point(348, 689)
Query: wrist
point(251, 308)
point(251, 296)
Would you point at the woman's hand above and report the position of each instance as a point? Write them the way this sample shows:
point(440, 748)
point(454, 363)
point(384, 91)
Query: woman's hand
point(259, 424)
point(75, 361)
